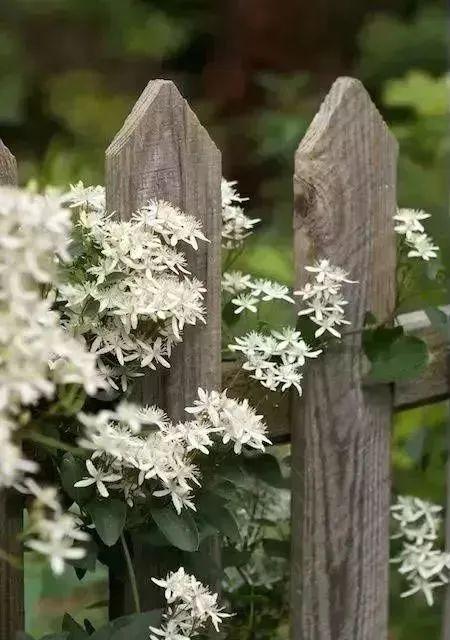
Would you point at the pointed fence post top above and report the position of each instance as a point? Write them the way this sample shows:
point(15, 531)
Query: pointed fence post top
point(159, 149)
point(8, 166)
point(348, 102)
point(345, 193)
point(157, 94)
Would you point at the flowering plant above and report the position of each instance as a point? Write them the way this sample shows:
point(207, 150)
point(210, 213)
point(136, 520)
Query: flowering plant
point(128, 289)
point(421, 562)
point(88, 302)
point(276, 358)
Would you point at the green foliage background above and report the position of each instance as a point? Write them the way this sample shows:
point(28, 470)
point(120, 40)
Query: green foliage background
point(70, 71)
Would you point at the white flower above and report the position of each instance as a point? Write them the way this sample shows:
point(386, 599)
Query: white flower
point(85, 197)
point(191, 605)
point(235, 281)
point(58, 550)
point(288, 375)
point(419, 243)
point(275, 360)
point(236, 226)
point(234, 420)
point(421, 247)
point(269, 290)
point(99, 478)
point(13, 465)
point(46, 496)
point(325, 271)
point(180, 496)
point(170, 222)
point(425, 586)
point(229, 193)
point(55, 537)
point(424, 566)
point(329, 324)
point(136, 295)
point(245, 302)
point(409, 221)
point(324, 303)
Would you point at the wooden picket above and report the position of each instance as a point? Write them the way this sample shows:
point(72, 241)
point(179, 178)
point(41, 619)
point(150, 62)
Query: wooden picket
point(344, 199)
point(11, 509)
point(163, 152)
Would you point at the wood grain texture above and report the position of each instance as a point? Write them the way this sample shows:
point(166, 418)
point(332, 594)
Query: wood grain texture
point(11, 508)
point(433, 384)
point(8, 166)
point(163, 152)
point(345, 197)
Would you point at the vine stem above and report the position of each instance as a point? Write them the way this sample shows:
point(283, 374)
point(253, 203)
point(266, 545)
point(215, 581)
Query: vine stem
point(131, 573)
point(53, 443)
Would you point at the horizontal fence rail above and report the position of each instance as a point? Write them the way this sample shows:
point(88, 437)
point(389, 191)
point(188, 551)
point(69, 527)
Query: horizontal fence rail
point(431, 386)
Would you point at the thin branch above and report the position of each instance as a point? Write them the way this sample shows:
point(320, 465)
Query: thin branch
point(131, 574)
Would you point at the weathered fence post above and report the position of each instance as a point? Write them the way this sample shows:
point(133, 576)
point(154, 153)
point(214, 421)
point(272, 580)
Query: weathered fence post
point(345, 197)
point(163, 152)
point(11, 508)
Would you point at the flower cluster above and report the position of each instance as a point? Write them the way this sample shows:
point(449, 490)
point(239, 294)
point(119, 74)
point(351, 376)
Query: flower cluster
point(424, 566)
point(275, 360)
point(410, 226)
point(130, 292)
point(235, 420)
point(324, 304)
point(52, 532)
point(191, 606)
point(137, 451)
point(236, 225)
point(37, 354)
point(249, 293)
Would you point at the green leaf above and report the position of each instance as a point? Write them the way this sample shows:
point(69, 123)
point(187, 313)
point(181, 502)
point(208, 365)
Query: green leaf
point(266, 467)
point(132, 627)
point(72, 470)
point(21, 635)
point(379, 339)
point(89, 626)
point(153, 536)
point(232, 557)
point(57, 636)
point(88, 562)
point(211, 509)
point(109, 518)
point(113, 278)
point(180, 530)
point(234, 473)
point(403, 359)
point(230, 318)
point(276, 548)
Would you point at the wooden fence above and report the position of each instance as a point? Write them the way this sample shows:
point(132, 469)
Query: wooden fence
point(344, 200)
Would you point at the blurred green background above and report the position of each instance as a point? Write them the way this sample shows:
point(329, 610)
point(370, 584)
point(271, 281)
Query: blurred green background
point(255, 72)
